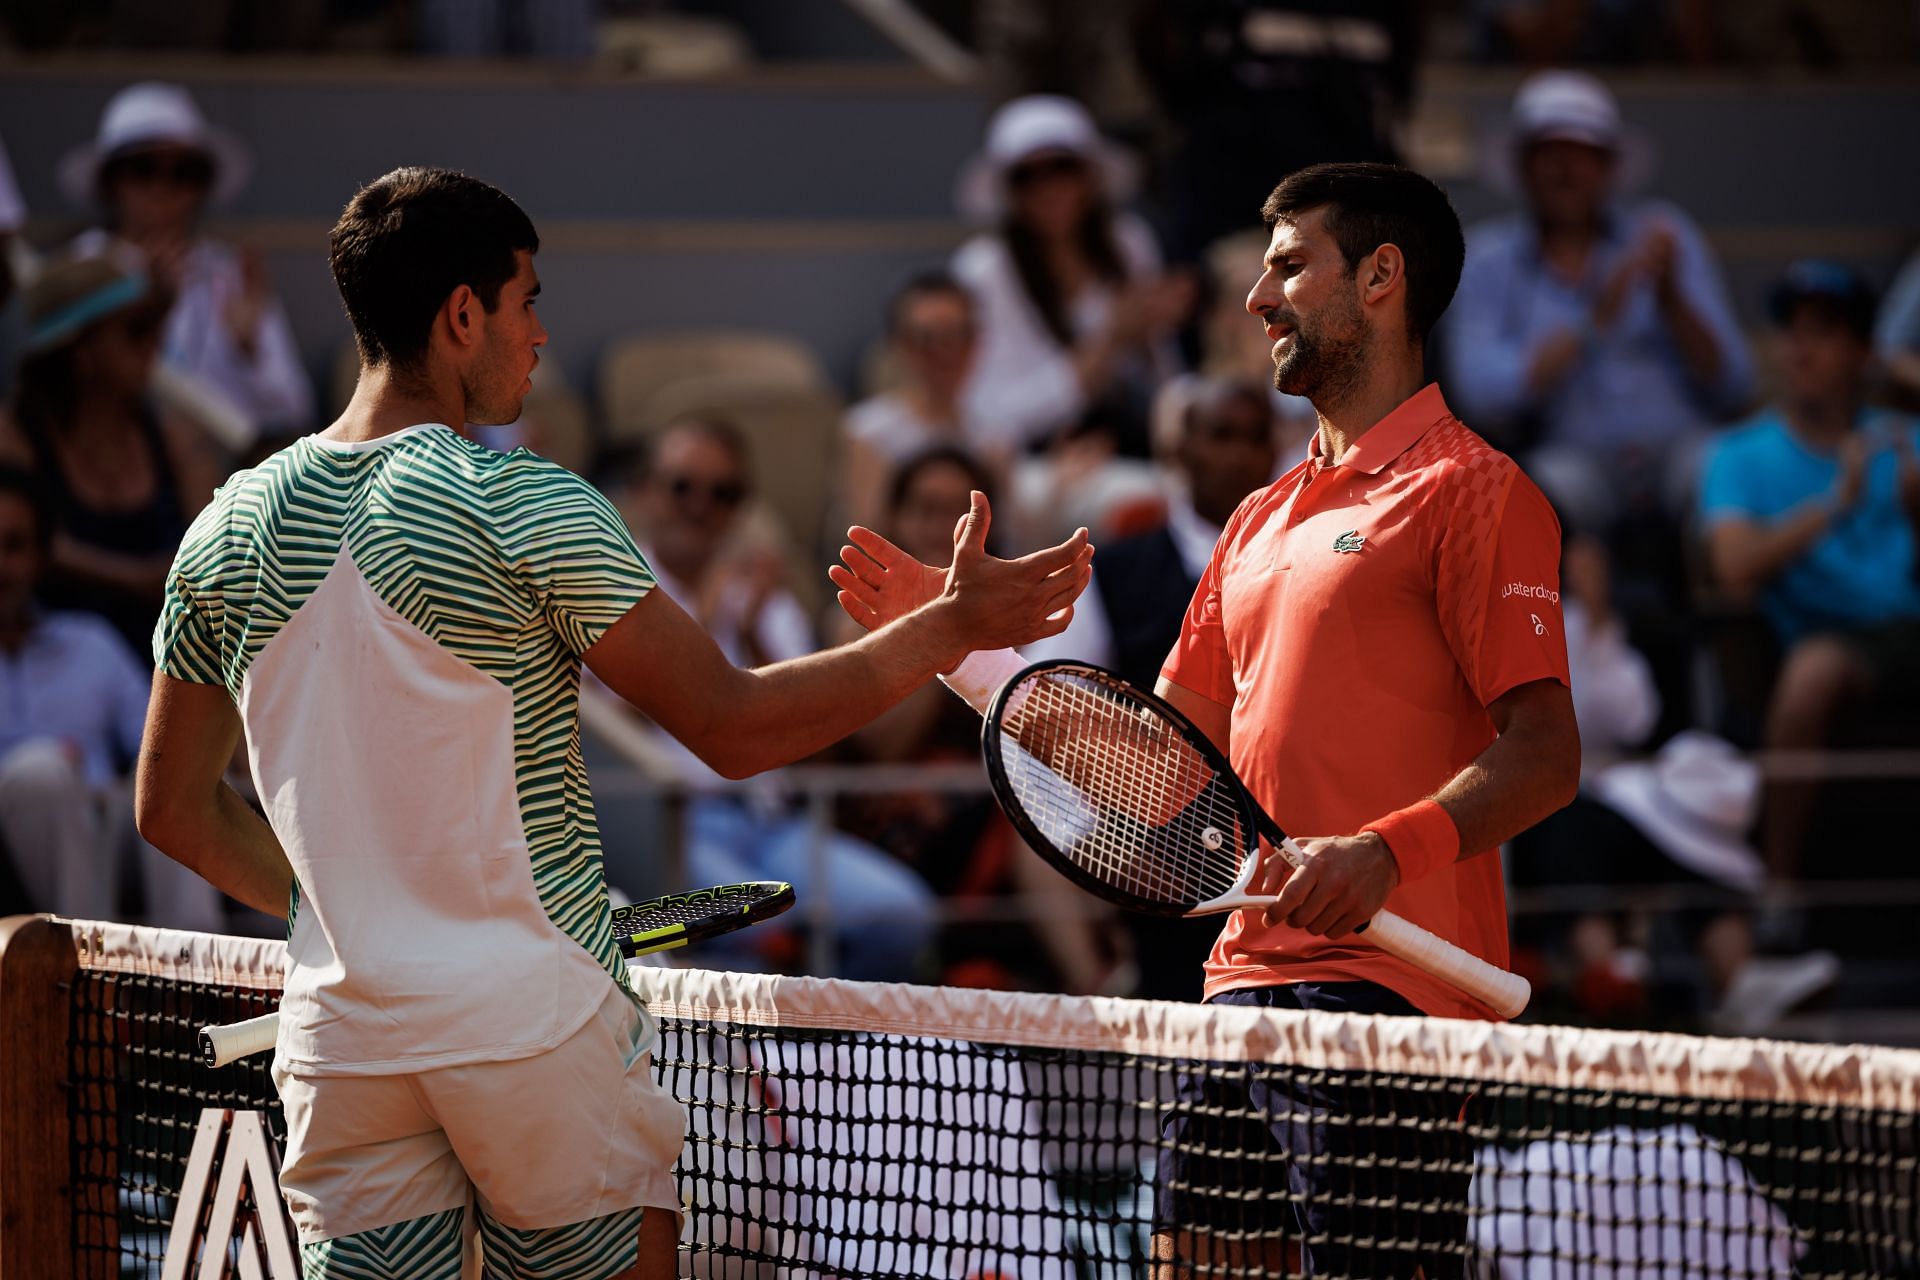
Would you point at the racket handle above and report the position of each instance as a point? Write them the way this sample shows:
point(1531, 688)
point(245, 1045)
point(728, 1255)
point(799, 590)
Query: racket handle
point(1503, 992)
point(223, 1044)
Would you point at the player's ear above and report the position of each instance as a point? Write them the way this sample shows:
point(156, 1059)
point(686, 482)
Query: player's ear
point(1384, 270)
point(462, 311)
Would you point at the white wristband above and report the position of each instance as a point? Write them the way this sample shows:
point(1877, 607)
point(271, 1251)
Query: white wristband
point(981, 675)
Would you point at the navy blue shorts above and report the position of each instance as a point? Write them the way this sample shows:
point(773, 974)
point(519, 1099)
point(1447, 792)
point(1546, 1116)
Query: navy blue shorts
point(1369, 1172)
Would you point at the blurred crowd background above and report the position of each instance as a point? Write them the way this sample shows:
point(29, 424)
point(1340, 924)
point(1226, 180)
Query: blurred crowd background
point(834, 261)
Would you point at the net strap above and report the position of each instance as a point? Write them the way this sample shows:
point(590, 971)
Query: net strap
point(1664, 1064)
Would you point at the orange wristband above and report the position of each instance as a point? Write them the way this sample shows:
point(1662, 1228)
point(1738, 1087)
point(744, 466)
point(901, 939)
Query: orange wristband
point(1421, 838)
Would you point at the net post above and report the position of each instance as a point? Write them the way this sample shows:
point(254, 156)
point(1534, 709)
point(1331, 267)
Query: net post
point(38, 962)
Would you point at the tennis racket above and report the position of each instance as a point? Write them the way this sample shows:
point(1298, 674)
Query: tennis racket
point(658, 924)
point(1127, 798)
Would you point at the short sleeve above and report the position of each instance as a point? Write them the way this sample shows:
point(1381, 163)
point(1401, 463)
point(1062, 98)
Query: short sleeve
point(1724, 491)
point(1201, 661)
point(574, 551)
point(186, 639)
point(1497, 582)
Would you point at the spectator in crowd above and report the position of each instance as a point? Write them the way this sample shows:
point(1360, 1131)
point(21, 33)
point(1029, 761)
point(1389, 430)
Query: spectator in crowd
point(931, 340)
point(123, 481)
point(73, 699)
point(1069, 299)
point(686, 504)
point(1811, 509)
point(1598, 327)
point(1897, 336)
point(1614, 696)
point(1259, 88)
point(958, 841)
point(1232, 349)
point(1129, 617)
point(151, 172)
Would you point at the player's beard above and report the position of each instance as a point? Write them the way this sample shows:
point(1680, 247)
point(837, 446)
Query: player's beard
point(1328, 355)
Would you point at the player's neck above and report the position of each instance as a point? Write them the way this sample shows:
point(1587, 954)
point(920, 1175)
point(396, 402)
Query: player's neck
point(385, 402)
point(1345, 418)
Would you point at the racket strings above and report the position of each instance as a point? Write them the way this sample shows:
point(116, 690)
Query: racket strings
point(1121, 792)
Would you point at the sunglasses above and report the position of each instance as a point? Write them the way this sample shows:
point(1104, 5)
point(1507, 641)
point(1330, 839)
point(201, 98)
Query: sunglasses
point(186, 170)
point(930, 336)
point(726, 493)
point(1035, 171)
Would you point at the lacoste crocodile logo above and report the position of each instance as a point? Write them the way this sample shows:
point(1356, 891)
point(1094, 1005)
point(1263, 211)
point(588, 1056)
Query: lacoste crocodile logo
point(1349, 541)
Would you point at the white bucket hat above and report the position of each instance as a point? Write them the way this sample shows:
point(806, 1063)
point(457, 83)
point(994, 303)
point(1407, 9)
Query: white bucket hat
point(1696, 801)
point(1566, 106)
point(1028, 127)
point(152, 114)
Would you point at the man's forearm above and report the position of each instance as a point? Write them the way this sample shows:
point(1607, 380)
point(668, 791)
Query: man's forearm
point(231, 847)
point(1747, 556)
point(1518, 780)
point(790, 710)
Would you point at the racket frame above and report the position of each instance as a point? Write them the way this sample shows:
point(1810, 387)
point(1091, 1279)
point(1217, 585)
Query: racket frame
point(1250, 811)
point(1504, 992)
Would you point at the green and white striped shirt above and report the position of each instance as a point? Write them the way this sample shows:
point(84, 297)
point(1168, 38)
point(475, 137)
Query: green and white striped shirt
point(400, 623)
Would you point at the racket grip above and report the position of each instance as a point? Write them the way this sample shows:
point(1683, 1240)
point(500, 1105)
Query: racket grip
point(1503, 992)
point(223, 1044)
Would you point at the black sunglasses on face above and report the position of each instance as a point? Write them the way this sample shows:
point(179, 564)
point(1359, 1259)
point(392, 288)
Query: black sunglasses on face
point(727, 493)
point(178, 170)
point(1025, 175)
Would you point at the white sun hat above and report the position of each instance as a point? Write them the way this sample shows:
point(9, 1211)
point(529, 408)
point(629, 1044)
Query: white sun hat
point(153, 114)
point(1567, 106)
point(1695, 800)
point(1035, 125)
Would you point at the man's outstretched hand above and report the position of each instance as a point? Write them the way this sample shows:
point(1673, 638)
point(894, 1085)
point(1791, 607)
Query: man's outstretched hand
point(995, 603)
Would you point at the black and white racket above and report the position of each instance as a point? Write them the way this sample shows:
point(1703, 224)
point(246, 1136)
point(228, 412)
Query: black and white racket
point(658, 924)
point(1127, 798)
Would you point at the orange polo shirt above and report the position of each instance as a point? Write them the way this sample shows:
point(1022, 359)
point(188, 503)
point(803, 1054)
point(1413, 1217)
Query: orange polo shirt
point(1358, 619)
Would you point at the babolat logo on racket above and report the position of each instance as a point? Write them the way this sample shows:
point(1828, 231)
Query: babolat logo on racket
point(1349, 541)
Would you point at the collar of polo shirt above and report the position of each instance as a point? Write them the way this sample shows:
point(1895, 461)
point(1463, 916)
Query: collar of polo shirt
point(1394, 434)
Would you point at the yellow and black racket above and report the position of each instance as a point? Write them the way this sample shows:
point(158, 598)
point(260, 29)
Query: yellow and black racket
point(675, 919)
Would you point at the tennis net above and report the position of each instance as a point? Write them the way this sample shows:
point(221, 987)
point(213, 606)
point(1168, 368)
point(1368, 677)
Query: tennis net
point(844, 1129)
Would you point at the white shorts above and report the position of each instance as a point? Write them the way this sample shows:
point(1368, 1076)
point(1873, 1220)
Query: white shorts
point(578, 1133)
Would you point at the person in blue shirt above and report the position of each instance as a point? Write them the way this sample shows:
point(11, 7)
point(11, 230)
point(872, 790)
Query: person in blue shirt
point(1597, 329)
point(72, 701)
point(1811, 511)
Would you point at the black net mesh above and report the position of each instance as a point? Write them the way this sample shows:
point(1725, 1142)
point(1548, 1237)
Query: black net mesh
point(138, 1091)
point(851, 1151)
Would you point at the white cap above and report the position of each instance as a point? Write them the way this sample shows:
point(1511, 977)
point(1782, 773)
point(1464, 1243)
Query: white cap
point(153, 114)
point(1036, 125)
point(1569, 106)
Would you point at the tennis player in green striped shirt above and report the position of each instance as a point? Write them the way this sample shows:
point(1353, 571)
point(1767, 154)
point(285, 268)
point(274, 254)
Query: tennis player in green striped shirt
point(397, 616)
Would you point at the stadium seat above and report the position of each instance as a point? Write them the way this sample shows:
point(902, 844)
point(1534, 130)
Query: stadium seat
point(635, 370)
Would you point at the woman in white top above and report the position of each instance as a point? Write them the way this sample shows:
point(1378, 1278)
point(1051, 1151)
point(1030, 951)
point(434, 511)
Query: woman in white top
point(152, 170)
point(1069, 299)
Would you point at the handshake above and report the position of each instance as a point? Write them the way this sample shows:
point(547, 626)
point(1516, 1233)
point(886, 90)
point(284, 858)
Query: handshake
point(983, 602)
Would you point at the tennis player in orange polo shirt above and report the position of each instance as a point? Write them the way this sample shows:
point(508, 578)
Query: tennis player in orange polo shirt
point(1377, 645)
